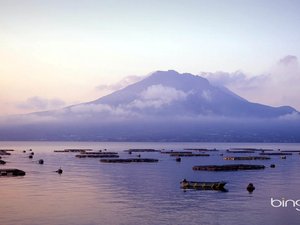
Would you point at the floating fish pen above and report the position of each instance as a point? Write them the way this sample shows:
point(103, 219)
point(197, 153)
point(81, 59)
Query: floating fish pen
point(247, 158)
point(240, 151)
point(97, 156)
point(4, 152)
point(141, 150)
point(252, 149)
point(131, 160)
point(188, 155)
point(198, 185)
point(74, 150)
point(2, 162)
point(12, 172)
point(7, 150)
point(229, 167)
point(276, 153)
point(201, 149)
point(99, 153)
point(291, 151)
point(175, 152)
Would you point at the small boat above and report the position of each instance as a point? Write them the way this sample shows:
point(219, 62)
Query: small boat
point(200, 185)
point(11, 172)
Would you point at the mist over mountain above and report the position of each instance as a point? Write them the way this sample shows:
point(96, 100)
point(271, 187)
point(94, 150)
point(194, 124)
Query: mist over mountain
point(165, 106)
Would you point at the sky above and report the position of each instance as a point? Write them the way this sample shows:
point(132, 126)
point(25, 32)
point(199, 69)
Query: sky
point(54, 53)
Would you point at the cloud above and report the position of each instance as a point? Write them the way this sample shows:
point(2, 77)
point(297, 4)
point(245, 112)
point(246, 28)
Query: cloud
point(120, 84)
point(288, 60)
point(279, 86)
point(207, 95)
point(39, 103)
point(90, 110)
point(157, 96)
point(291, 117)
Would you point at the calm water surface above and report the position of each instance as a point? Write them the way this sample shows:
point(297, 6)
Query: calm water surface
point(89, 192)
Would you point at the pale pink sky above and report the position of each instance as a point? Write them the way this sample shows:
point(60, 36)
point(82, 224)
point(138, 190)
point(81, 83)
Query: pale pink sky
point(55, 53)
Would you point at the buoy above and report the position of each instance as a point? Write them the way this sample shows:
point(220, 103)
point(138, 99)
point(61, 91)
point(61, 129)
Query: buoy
point(59, 171)
point(272, 165)
point(30, 150)
point(283, 157)
point(139, 155)
point(250, 188)
point(178, 159)
point(221, 154)
point(24, 151)
point(32, 153)
point(41, 161)
point(30, 157)
point(129, 152)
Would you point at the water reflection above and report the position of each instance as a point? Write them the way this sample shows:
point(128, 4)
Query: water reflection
point(89, 192)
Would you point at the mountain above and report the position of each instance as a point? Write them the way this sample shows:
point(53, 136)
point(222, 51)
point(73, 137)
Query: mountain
point(170, 93)
point(165, 106)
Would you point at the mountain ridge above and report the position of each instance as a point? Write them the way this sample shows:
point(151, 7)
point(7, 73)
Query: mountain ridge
point(165, 106)
point(201, 98)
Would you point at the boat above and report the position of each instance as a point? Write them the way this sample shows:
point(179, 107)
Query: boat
point(11, 172)
point(200, 185)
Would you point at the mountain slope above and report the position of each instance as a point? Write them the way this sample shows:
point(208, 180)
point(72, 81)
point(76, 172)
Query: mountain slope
point(170, 93)
point(165, 106)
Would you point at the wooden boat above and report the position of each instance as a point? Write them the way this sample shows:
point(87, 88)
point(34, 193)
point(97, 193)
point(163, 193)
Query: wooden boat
point(199, 185)
point(229, 167)
point(11, 172)
point(2, 162)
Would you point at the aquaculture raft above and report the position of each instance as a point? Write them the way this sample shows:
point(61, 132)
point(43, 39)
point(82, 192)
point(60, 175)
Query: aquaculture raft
point(240, 151)
point(229, 167)
point(187, 154)
point(202, 149)
point(11, 172)
point(131, 160)
point(141, 150)
point(218, 186)
point(276, 153)
point(247, 158)
point(74, 150)
point(97, 156)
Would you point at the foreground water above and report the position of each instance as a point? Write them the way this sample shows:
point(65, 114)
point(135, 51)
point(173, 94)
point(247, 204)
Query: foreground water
point(89, 192)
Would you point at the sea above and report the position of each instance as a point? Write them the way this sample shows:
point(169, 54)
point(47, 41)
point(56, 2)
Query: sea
point(89, 192)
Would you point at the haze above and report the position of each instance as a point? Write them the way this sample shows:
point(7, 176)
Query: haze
point(57, 53)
